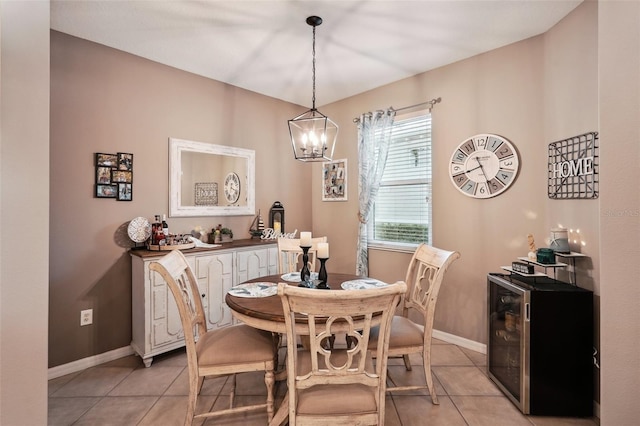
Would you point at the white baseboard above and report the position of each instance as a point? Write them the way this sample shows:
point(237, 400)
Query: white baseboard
point(460, 341)
point(92, 361)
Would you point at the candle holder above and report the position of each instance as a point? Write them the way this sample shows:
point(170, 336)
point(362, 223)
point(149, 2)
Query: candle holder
point(322, 274)
point(305, 274)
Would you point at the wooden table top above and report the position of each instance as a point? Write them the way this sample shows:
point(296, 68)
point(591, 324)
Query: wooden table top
point(250, 242)
point(269, 309)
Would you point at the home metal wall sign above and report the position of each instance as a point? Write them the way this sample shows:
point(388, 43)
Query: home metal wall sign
point(573, 167)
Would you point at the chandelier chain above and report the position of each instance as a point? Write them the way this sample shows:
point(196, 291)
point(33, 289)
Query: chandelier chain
point(313, 50)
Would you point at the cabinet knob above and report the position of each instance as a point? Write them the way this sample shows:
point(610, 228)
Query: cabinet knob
point(202, 295)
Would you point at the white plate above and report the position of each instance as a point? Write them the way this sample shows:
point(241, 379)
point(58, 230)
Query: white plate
point(362, 284)
point(294, 277)
point(254, 290)
point(139, 229)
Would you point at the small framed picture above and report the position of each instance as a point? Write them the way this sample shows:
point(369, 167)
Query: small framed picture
point(206, 193)
point(106, 160)
point(106, 191)
point(334, 180)
point(121, 176)
point(103, 175)
point(125, 192)
point(125, 161)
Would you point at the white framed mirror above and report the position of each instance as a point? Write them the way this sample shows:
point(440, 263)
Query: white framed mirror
point(210, 180)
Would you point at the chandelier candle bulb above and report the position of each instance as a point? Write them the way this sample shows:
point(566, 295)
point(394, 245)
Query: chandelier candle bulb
point(305, 239)
point(323, 250)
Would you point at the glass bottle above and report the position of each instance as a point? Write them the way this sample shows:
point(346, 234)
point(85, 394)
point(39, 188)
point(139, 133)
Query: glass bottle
point(154, 229)
point(165, 226)
point(159, 234)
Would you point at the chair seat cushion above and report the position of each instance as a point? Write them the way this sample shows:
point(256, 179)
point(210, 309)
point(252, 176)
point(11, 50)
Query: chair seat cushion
point(335, 399)
point(237, 344)
point(404, 332)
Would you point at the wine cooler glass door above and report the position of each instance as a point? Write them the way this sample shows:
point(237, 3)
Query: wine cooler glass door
point(507, 358)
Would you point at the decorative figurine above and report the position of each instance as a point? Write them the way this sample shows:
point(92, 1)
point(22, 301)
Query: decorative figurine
point(532, 247)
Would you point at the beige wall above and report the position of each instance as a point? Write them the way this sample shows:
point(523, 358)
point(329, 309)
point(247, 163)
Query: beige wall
point(24, 207)
point(103, 100)
point(619, 103)
point(500, 92)
point(571, 108)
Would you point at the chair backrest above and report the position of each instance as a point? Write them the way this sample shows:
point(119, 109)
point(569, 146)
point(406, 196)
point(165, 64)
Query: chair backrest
point(290, 254)
point(322, 313)
point(177, 273)
point(424, 279)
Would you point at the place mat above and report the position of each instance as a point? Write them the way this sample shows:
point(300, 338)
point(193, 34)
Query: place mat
point(362, 284)
point(262, 289)
point(294, 277)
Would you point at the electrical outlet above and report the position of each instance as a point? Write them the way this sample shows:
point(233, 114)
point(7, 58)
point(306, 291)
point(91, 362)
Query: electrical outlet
point(86, 317)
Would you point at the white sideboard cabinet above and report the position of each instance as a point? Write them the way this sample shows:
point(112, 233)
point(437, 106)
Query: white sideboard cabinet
point(156, 325)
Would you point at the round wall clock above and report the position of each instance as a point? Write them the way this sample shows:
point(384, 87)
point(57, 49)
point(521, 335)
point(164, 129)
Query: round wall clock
point(232, 187)
point(484, 166)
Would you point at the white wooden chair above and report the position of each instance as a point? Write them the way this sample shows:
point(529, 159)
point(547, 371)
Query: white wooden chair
point(339, 385)
point(290, 254)
point(424, 278)
point(229, 350)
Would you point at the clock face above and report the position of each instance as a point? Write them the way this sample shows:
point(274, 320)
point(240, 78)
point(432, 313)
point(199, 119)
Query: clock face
point(232, 187)
point(484, 166)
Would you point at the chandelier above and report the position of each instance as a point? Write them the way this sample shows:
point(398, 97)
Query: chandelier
point(313, 134)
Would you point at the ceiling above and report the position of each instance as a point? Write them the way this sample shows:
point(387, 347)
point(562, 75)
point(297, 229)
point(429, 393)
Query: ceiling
point(265, 46)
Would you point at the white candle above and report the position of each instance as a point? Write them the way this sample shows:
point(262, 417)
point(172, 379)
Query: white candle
point(323, 250)
point(305, 239)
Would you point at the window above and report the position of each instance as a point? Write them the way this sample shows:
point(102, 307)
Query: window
point(402, 211)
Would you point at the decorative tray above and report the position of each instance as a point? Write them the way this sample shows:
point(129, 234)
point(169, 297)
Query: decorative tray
point(153, 247)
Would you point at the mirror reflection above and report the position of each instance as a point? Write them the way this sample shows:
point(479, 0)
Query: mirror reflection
point(210, 180)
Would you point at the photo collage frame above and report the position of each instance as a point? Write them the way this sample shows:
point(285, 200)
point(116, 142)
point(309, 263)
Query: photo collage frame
point(114, 176)
point(334, 180)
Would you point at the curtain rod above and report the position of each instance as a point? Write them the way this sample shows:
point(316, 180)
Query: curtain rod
point(432, 102)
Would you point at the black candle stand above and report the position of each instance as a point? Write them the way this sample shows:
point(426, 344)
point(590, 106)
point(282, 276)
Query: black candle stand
point(305, 274)
point(322, 275)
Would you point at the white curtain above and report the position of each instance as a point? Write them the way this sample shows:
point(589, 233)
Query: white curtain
point(374, 136)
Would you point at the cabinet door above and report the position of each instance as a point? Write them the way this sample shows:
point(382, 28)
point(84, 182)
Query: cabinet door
point(273, 260)
point(252, 264)
point(165, 318)
point(215, 277)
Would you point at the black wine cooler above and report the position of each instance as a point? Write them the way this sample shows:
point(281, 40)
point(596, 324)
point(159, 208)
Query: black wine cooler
point(540, 344)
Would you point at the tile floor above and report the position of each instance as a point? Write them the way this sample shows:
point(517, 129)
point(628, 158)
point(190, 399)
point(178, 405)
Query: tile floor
point(124, 392)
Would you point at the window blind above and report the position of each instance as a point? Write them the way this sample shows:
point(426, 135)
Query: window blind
point(402, 211)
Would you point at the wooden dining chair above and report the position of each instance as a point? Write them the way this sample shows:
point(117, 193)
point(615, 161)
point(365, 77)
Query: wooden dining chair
point(337, 386)
point(424, 279)
point(290, 254)
point(225, 351)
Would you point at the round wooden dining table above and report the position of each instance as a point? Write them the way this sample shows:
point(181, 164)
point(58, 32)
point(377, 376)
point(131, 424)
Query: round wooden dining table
point(266, 313)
